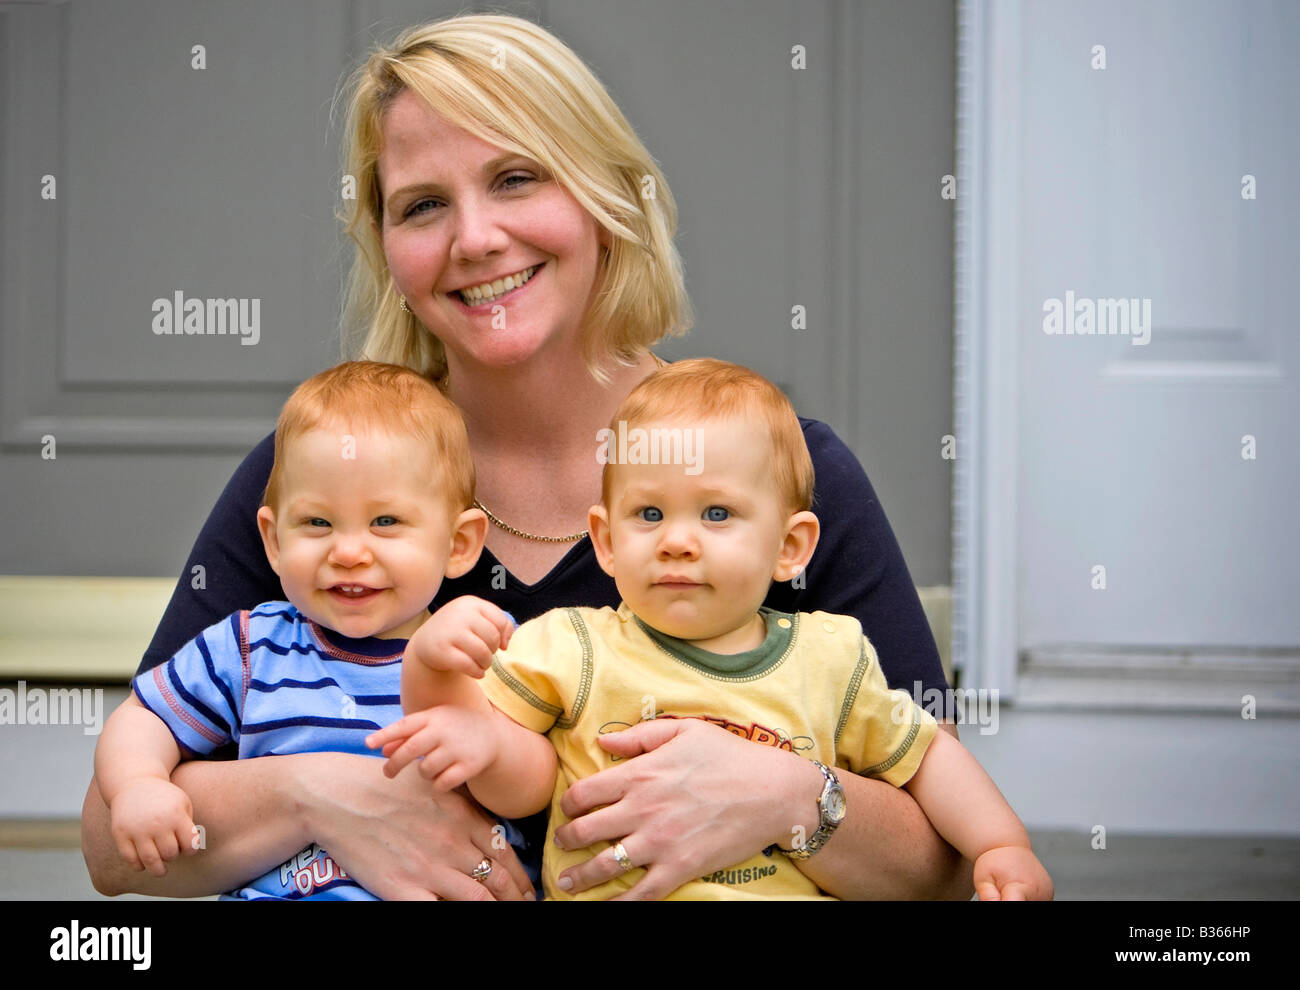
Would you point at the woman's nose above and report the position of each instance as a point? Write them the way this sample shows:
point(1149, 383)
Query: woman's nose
point(477, 232)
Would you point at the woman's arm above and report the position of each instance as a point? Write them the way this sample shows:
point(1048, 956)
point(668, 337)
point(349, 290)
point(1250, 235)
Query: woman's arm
point(248, 824)
point(397, 840)
point(886, 848)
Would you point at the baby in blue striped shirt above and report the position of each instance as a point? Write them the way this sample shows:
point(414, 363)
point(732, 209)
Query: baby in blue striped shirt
point(368, 507)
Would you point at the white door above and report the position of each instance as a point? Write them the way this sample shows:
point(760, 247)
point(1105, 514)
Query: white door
point(1142, 173)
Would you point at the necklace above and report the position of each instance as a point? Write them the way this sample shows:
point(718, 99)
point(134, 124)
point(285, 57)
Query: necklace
point(501, 524)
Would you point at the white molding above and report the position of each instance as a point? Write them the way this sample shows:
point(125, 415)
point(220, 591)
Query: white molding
point(986, 394)
point(120, 432)
point(1080, 677)
point(1196, 373)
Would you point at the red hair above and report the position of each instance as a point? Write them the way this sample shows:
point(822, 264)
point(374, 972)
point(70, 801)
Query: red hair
point(386, 397)
point(706, 388)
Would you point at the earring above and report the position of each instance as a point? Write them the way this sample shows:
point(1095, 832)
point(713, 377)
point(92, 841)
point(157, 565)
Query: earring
point(405, 308)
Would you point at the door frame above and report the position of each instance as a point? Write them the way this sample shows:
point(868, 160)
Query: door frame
point(986, 278)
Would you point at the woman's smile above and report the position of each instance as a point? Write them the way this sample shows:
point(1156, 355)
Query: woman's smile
point(494, 291)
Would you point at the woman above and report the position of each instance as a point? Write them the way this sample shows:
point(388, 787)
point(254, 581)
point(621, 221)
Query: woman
point(510, 247)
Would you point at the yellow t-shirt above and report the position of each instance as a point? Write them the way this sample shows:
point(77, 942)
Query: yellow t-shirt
point(813, 687)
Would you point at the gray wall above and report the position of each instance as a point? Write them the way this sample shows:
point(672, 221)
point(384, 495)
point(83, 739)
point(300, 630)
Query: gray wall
point(817, 187)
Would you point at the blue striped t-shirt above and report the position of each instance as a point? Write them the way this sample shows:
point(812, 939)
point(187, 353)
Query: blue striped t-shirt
point(274, 682)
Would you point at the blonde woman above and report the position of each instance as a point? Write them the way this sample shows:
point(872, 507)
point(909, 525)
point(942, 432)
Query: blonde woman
point(504, 250)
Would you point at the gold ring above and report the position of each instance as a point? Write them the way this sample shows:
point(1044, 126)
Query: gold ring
point(480, 872)
point(622, 858)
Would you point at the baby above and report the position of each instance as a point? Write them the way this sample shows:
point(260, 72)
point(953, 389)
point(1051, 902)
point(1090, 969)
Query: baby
point(366, 509)
point(693, 547)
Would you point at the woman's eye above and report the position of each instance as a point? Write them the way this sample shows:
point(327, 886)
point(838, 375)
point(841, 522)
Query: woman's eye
point(716, 513)
point(524, 179)
point(419, 207)
point(385, 521)
point(651, 514)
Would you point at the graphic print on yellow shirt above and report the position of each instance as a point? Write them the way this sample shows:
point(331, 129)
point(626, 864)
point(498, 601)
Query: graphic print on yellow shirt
point(812, 687)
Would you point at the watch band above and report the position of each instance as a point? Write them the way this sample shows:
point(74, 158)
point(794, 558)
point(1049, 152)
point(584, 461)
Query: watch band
point(831, 807)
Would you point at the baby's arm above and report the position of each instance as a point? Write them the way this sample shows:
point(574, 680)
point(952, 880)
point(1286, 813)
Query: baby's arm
point(453, 728)
point(968, 810)
point(152, 819)
point(455, 645)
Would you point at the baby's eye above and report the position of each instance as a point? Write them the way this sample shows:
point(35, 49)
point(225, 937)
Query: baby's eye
point(716, 513)
point(651, 514)
point(318, 522)
point(385, 521)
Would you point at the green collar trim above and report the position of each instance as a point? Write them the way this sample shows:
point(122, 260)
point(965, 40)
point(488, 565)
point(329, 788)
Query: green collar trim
point(752, 663)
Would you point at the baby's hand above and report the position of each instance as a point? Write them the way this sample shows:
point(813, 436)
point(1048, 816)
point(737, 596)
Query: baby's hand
point(453, 744)
point(152, 822)
point(462, 636)
point(1011, 873)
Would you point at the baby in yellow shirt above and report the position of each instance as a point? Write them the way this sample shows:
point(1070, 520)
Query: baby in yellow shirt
point(706, 495)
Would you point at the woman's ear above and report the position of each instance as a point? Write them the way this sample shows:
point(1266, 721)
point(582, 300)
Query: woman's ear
point(601, 542)
point(801, 533)
point(467, 539)
point(270, 539)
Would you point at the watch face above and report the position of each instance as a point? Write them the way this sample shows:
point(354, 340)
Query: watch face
point(835, 806)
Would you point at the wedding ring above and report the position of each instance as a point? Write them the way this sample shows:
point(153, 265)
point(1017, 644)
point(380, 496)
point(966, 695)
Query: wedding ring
point(622, 858)
point(480, 872)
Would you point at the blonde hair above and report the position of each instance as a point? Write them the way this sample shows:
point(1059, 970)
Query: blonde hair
point(515, 85)
point(706, 388)
point(370, 395)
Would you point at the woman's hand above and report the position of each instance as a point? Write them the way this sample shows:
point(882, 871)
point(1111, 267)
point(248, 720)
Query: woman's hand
point(402, 842)
point(694, 799)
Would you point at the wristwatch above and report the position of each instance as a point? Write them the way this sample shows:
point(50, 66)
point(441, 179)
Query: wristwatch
point(832, 807)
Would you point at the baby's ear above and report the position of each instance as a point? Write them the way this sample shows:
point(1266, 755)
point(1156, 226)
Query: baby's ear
point(801, 533)
point(469, 533)
point(601, 541)
point(270, 539)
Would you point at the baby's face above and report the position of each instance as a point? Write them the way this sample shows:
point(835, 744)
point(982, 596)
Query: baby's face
point(361, 537)
point(695, 554)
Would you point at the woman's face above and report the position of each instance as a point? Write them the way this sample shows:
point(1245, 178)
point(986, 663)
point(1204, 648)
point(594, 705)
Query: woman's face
point(462, 216)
